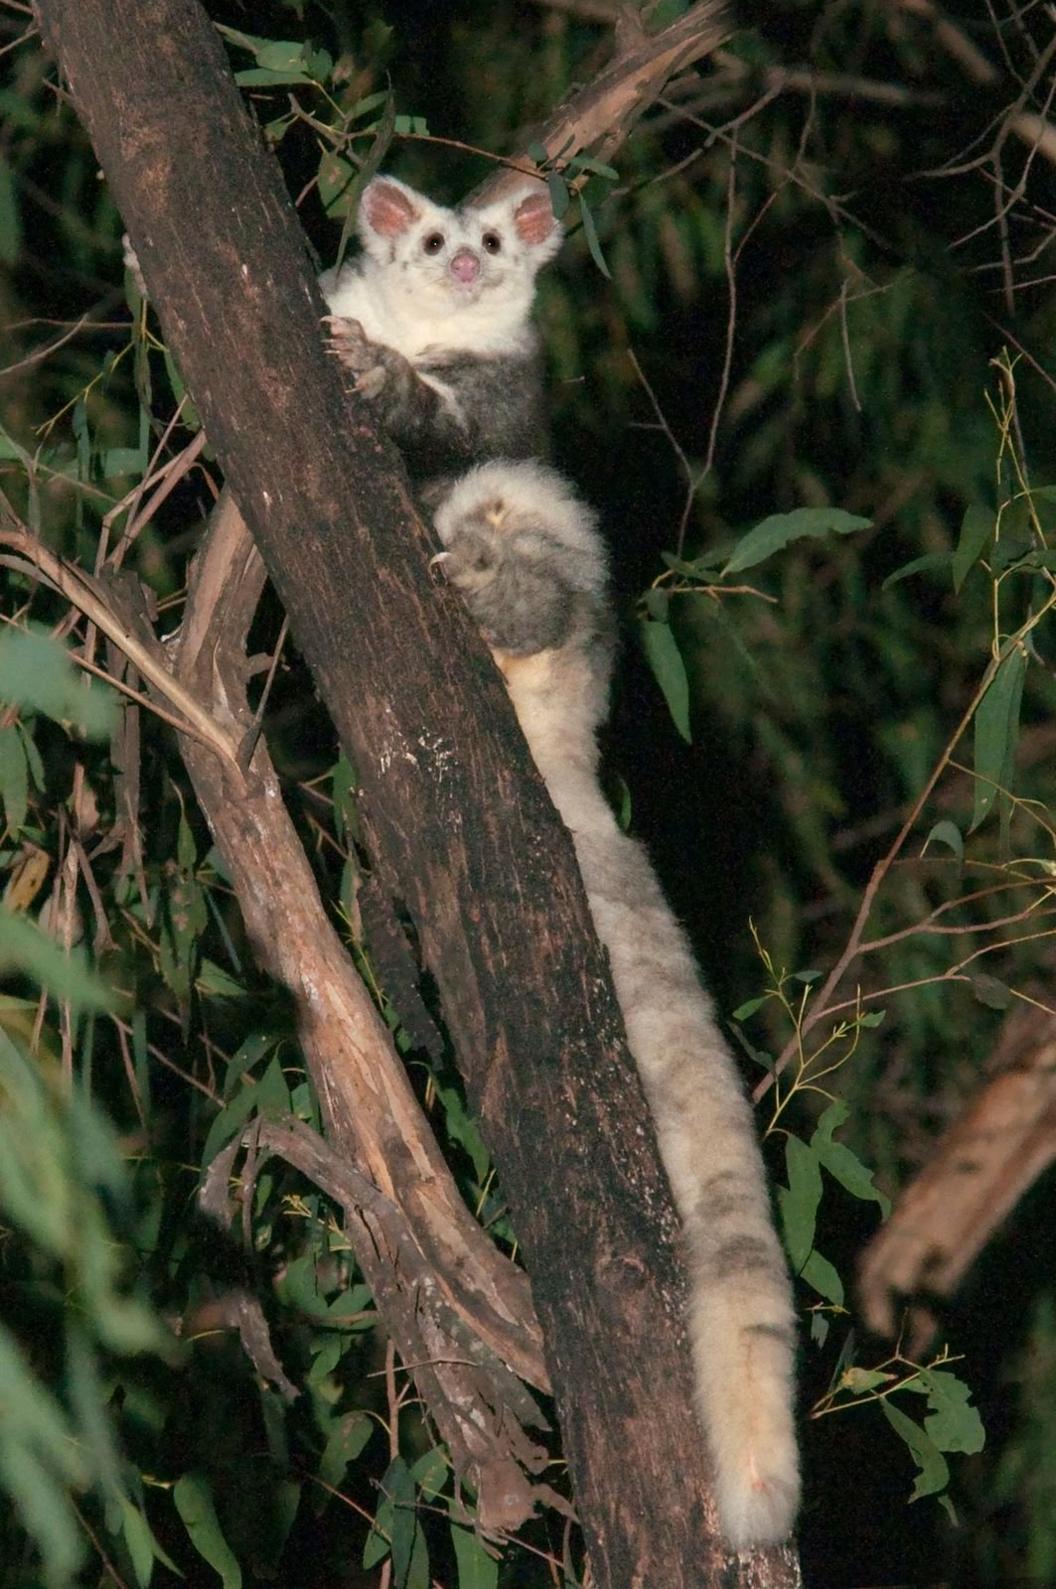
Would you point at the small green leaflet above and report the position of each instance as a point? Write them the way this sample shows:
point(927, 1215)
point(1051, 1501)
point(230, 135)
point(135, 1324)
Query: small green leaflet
point(10, 220)
point(194, 1502)
point(410, 1558)
point(843, 1165)
point(997, 733)
point(142, 1546)
point(139, 1542)
point(798, 1201)
point(934, 1474)
point(476, 1569)
point(559, 196)
point(45, 1511)
point(261, 78)
point(37, 673)
point(820, 1273)
point(23, 947)
point(396, 1531)
point(590, 232)
point(88, 1403)
point(952, 1422)
point(14, 778)
point(700, 567)
point(977, 529)
point(278, 61)
point(123, 461)
point(776, 532)
point(665, 659)
point(586, 162)
point(411, 127)
point(948, 833)
point(230, 1121)
point(346, 1440)
point(253, 1049)
point(996, 995)
point(919, 565)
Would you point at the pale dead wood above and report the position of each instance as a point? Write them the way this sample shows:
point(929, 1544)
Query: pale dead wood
point(1002, 1141)
point(459, 1310)
point(600, 116)
point(357, 1071)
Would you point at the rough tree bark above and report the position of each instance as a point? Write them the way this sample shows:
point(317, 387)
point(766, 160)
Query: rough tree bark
point(459, 819)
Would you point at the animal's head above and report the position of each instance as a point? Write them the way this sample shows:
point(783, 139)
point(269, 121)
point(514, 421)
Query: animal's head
point(447, 260)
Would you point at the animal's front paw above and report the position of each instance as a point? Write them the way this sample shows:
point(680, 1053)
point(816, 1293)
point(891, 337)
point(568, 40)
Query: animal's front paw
point(366, 360)
point(470, 560)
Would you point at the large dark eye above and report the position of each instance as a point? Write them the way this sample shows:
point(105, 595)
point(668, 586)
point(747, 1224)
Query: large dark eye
point(492, 243)
point(433, 243)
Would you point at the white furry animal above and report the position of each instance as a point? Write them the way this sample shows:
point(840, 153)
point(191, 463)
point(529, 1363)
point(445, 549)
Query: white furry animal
point(433, 317)
point(527, 557)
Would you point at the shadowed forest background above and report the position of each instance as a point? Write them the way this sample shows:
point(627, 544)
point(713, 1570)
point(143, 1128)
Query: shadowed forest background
point(818, 276)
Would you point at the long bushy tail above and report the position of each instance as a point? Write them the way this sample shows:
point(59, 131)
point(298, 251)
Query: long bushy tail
point(740, 1310)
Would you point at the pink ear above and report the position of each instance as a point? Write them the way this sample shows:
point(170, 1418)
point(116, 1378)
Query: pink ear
point(534, 218)
point(386, 208)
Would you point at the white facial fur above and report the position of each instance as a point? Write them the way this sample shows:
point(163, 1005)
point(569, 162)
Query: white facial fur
point(433, 276)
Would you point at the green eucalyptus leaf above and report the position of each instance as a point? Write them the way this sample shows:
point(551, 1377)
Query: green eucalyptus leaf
point(918, 565)
point(66, 976)
point(36, 673)
point(590, 232)
point(10, 217)
point(991, 991)
point(948, 833)
point(798, 1201)
point(934, 1474)
point(14, 778)
point(476, 1568)
point(977, 531)
point(345, 1443)
point(997, 733)
point(820, 1273)
point(665, 659)
point(842, 1164)
point(193, 1500)
point(776, 532)
point(953, 1423)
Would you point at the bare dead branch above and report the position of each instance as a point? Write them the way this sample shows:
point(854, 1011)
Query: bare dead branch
point(599, 117)
point(1002, 1141)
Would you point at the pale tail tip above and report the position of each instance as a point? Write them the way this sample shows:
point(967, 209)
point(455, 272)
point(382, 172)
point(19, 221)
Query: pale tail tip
point(754, 1516)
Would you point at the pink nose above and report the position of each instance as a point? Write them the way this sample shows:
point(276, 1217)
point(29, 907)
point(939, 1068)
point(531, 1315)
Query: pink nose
point(465, 266)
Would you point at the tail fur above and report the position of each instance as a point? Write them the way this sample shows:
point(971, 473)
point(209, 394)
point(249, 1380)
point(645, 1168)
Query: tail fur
point(740, 1321)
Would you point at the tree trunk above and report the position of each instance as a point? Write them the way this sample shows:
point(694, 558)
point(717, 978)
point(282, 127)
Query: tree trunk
point(460, 820)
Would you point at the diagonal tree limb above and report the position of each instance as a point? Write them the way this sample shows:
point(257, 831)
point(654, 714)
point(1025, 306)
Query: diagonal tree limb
point(600, 116)
point(1001, 1142)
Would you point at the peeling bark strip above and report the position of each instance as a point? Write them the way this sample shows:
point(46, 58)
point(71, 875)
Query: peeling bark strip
point(1002, 1140)
point(456, 810)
